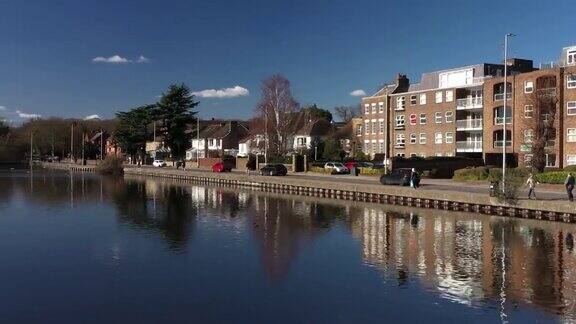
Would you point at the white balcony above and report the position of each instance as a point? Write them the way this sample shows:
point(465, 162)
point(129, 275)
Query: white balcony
point(500, 96)
point(469, 103)
point(469, 146)
point(469, 124)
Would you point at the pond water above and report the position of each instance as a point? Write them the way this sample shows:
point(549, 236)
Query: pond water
point(80, 248)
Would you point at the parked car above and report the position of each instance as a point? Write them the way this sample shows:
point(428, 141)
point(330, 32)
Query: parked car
point(159, 163)
point(221, 167)
point(399, 176)
point(336, 168)
point(274, 170)
point(351, 164)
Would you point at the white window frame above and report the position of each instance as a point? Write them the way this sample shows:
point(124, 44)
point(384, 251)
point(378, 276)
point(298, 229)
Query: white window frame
point(380, 107)
point(413, 138)
point(400, 139)
point(401, 155)
point(528, 111)
point(400, 120)
point(438, 117)
point(528, 136)
point(449, 115)
point(571, 108)
point(438, 138)
point(422, 99)
point(571, 81)
point(374, 125)
point(449, 138)
point(449, 95)
point(437, 154)
point(401, 103)
point(413, 100)
point(438, 97)
point(367, 127)
point(571, 57)
point(528, 86)
point(571, 135)
point(374, 109)
point(381, 126)
point(367, 109)
point(422, 138)
point(422, 117)
point(570, 159)
point(548, 165)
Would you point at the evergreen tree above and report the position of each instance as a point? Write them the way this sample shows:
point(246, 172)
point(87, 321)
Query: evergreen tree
point(133, 131)
point(173, 111)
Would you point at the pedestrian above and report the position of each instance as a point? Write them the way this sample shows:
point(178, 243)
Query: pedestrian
point(414, 179)
point(531, 184)
point(569, 183)
point(183, 164)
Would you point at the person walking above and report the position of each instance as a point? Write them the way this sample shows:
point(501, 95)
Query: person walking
point(414, 179)
point(531, 184)
point(569, 183)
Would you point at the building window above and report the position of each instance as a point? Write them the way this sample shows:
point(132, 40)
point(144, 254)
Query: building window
point(437, 154)
point(528, 111)
point(570, 159)
point(373, 127)
point(400, 103)
point(528, 86)
point(571, 135)
point(413, 155)
point(571, 108)
point(570, 81)
point(422, 119)
point(400, 121)
point(571, 57)
point(422, 155)
point(374, 109)
point(550, 160)
point(381, 126)
point(400, 139)
point(367, 109)
point(412, 138)
point(400, 155)
point(449, 95)
point(359, 130)
point(438, 117)
point(528, 135)
point(438, 138)
point(499, 115)
point(422, 99)
point(367, 127)
point(438, 96)
point(380, 107)
point(449, 116)
point(381, 145)
point(422, 138)
point(412, 100)
point(449, 138)
point(413, 119)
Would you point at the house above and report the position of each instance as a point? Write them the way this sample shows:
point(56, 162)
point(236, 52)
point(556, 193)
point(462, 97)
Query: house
point(306, 137)
point(217, 139)
point(251, 144)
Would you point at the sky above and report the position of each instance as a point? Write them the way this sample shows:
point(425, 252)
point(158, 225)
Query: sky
point(72, 58)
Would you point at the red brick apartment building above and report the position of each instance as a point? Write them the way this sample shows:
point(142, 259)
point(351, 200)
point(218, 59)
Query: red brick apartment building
point(459, 112)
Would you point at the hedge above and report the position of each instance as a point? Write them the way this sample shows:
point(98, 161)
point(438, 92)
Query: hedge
point(372, 171)
point(553, 177)
point(317, 169)
point(471, 174)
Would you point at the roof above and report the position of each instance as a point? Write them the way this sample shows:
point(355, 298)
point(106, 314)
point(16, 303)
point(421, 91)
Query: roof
point(319, 127)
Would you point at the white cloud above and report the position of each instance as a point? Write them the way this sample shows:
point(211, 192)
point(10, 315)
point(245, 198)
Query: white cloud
point(236, 91)
point(90, 117)
point(2, 108)
point(27, 115)
point(358, 93)
point(114, 59)
point(143, 59)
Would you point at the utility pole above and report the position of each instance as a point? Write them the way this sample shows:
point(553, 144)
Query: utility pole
point(83, 140)
point(504, 115)
point(197, 141)
point(101, 144)
point(31, 147)
point(72, 142)
point(266, 137)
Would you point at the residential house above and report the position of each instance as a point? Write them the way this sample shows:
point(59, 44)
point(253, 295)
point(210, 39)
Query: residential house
point(217, 139)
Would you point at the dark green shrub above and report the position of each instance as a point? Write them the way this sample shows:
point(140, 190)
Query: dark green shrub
point(515, 179)
point(553, 177)
point(570, 168)
point(471, 174)
point(111, 165)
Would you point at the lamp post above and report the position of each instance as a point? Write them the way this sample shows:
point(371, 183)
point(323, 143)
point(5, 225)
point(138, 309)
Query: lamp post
point(506, 37)
point(31, 148)
point(197, 141)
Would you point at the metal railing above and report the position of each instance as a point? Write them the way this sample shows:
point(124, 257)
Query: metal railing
point(469, 146)
point(470, 124)
point(500, 96)
point(500, 143)
point(469, 103)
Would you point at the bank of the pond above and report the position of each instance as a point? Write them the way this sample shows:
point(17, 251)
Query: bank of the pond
point(342, 189)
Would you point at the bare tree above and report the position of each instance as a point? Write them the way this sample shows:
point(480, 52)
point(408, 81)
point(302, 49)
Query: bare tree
point(346, 113)
point(279, 110)
point(544, 100)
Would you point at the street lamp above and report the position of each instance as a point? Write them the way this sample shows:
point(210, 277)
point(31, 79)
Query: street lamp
point(506, 37)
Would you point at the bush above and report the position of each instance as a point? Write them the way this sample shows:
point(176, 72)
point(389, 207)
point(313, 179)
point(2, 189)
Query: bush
point(317, 169)
point(553, 177)
point(471, 174)
point(111, 165)
point(372, 171)
point(515, 178)
point(514, 173)
point(570, 168)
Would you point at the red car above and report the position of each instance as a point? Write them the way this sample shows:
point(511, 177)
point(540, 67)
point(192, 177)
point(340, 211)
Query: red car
point(221, 167)
point(351, 164)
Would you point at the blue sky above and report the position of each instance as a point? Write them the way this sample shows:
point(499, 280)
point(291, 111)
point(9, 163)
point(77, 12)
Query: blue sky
point(326, 48)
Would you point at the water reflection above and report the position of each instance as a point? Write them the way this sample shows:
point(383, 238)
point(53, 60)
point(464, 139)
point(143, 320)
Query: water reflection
point(474, 260)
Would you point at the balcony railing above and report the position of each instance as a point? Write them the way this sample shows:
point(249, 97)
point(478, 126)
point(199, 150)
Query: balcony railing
point(500, 120)
point(469, 103)
point(469, 124)
point(500, 143)
point(500, 96)
point(469, 146)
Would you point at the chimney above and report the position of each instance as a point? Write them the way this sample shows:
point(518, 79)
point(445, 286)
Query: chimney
point(402, 83)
